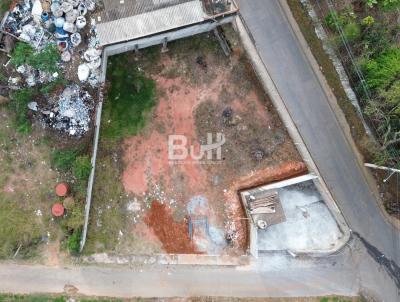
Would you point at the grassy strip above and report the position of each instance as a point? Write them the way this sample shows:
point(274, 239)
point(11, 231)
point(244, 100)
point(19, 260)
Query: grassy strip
point(357, 129)
point(130, 97)
point(49, 298)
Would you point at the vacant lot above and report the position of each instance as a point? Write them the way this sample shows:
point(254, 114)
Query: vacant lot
point(26, 191)
point(144, 202)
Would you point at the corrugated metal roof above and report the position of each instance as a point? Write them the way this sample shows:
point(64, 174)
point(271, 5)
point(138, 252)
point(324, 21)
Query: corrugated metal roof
point(114, 9)
point(151, 22)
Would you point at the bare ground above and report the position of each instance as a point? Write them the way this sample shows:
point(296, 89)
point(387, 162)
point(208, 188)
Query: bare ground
point(199, 92)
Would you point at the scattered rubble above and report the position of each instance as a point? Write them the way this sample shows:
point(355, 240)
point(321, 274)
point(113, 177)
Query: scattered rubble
point(62, 23)
point(70, 113)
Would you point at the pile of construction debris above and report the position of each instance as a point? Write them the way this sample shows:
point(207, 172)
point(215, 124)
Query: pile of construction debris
point(40, 22)
point(70, 112)
point(67, 25)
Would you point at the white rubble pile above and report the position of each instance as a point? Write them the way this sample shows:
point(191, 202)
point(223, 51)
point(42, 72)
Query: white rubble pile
point(71, 113)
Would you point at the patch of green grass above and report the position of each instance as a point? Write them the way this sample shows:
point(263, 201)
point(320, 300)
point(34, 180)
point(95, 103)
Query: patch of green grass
point(130, 98)
point(4, 6)
point(17, 229)
point(19, 105)
point(63, 160)
point(108, 214)
point(82, 167)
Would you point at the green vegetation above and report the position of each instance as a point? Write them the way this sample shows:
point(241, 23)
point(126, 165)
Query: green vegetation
point(376, 53)
point(15, 231)
point(63, 159)
point(383, 70)
point(52, 86)
point(82, 168)
point(44, 60)
point(4, 6)
point(130, 98)
point(19, 105)
point(74, 242)
point(385, 4)
point(50, 298)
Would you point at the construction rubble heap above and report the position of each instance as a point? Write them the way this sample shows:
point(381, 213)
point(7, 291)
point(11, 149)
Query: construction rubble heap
point(68, 25)
point(69, 112)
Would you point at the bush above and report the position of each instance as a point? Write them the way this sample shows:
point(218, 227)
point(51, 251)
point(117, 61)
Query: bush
point(375, 38)
point(74, 218)
point(44, 60)
point(381, 72)
point(82, 168)
point(332, 20)
point(352, 31)
point(74, 242)
point(368, 21)
point(63, 159)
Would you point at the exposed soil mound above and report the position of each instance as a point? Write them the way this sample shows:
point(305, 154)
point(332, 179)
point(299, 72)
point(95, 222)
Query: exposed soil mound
point(174, 236)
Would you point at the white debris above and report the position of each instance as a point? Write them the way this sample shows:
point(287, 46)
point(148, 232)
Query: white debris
point(33, 106)
point(83, 72)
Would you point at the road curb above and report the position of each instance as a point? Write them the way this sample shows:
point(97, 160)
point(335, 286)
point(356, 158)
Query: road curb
point(269, 86)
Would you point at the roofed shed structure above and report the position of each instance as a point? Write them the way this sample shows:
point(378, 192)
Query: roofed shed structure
point(126, 20)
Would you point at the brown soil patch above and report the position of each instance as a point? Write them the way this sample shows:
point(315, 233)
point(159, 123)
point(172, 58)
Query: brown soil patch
point(194, 101)
point(174, 236)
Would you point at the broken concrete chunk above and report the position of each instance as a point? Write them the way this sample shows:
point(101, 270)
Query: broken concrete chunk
point(33, 106)
point(69, 27)
point(71, 16)
point(83, 72)
point(66, 7)
point(92, 54)
point(66, 56)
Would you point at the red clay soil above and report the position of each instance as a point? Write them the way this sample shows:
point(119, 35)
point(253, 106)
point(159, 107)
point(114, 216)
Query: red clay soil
point(173, 236)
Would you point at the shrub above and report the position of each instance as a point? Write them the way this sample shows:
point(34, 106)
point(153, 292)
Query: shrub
point(74, 242)
point(375, 38)
point(332, 20)
point(390, 4)
point(352, 31)
point(82, 168)
point(368, 21)
point(74, 218)
point(382, 71)
point(63, 159)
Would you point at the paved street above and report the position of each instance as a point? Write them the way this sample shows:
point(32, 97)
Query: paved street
point(309, 107)
point(274, 275)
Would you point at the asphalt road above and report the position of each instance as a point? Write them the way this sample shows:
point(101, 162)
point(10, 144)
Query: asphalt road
point(273, 275)
point(309, 108)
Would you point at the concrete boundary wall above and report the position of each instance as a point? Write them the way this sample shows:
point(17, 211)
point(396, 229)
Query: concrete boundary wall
point(119, 49)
